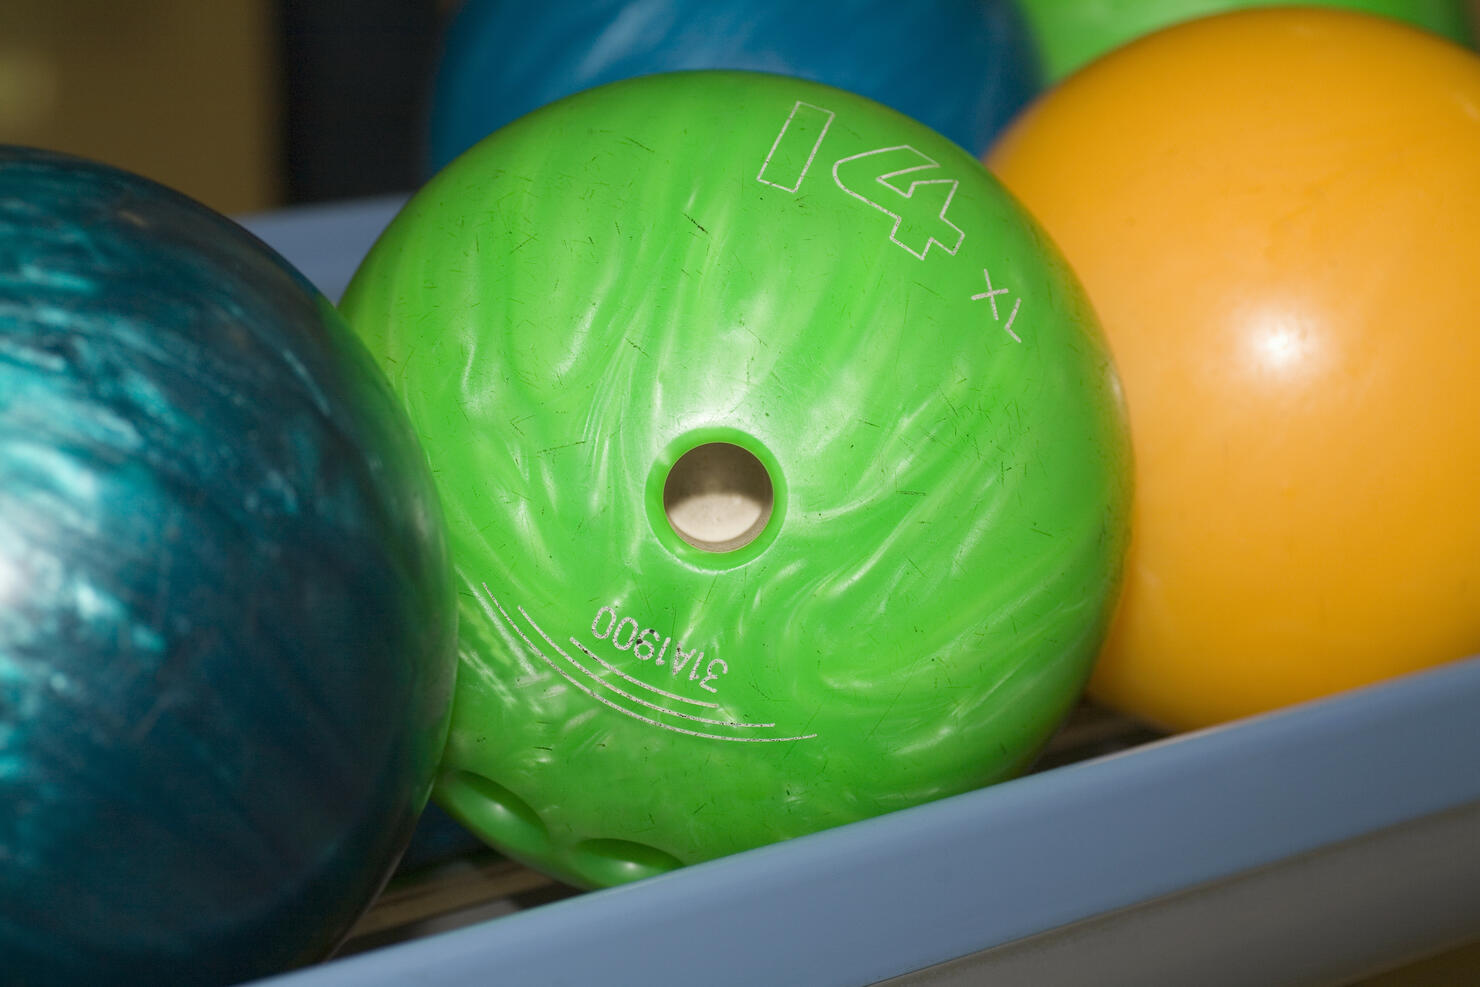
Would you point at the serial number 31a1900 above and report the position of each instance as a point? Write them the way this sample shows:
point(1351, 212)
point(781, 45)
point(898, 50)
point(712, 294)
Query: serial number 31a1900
point(627, 634)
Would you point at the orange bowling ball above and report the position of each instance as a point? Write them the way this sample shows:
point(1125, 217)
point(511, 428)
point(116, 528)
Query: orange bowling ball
point(1277, 215)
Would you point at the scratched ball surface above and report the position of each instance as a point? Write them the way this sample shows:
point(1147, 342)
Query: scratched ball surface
point(1277, 216)
point(963, 67)
point(785, 469)
point(226, 616)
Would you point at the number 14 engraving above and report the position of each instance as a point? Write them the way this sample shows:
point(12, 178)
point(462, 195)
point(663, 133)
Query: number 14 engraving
point(899, 181)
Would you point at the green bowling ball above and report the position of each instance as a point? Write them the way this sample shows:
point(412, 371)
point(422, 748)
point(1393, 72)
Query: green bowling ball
point(785, 467)
point(1072, 33)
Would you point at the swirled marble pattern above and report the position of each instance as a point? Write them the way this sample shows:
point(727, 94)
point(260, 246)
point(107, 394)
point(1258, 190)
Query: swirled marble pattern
point(225, 614)
point(796, 270)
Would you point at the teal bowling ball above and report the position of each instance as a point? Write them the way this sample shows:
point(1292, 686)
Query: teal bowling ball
point(226, 622)
point(962, 67)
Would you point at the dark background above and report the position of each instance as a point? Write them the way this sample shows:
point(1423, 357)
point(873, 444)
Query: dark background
point(357, 81)
point(244, 104)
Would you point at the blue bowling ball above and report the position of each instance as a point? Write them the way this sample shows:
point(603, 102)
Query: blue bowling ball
point(963, 67)
point(226, 620)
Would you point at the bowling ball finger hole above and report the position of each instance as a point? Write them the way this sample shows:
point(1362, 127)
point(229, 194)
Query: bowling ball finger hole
point(608, 862)
point(494, 810)
point(718, 497)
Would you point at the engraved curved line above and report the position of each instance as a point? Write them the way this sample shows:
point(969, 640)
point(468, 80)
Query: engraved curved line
point(661, 709)
point(483, 605)
point(627, 695)
point(636, 716)
point(603, 699)
point(635, 681)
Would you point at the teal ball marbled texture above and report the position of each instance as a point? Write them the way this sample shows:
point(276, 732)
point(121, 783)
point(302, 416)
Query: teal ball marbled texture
point(226, 621)
point(963, 67)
